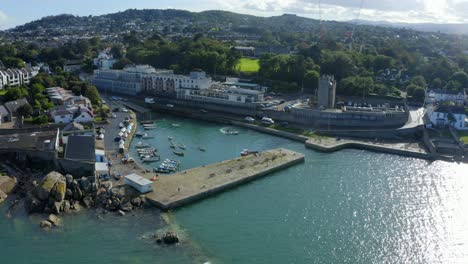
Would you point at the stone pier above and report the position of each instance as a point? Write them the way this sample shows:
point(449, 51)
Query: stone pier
point(184, 187)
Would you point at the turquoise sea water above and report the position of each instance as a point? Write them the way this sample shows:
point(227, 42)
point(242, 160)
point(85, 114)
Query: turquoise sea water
point(346, 207)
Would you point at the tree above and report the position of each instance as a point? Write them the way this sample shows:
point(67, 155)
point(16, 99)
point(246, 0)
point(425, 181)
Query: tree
point(411, 88)
point(460, 77)
point(16, 93)
point(419, 94)
point(311, 79)
point(25, 110)
point(419, 81)
point(92, 94)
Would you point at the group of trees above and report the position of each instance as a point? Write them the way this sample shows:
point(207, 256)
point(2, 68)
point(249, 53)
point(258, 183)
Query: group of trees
point(182, 56)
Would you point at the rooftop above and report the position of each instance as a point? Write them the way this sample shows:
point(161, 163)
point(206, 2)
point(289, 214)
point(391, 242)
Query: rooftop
point(449, 109)
point(29, 141)
point(80, 148)
point(138, 179)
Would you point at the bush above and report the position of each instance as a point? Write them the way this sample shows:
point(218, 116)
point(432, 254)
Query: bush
point(40, 120)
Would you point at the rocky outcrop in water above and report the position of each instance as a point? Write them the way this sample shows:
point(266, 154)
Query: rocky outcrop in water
point(120, 198)
point(60, 194)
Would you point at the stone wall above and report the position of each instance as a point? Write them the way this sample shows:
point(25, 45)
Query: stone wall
point(75, 168)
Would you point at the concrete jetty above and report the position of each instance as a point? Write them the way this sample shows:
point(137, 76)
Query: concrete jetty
point(188, 186)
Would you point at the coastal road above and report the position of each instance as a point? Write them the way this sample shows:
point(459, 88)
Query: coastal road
point(112, 129)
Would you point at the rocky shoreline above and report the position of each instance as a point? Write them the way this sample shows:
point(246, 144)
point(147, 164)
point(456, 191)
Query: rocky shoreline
point(56, 195)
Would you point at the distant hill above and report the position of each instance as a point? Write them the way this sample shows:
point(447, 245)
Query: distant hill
point(426, 27)
point(222, 25)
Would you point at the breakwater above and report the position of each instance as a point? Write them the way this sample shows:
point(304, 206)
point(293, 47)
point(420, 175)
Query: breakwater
point(188, 186)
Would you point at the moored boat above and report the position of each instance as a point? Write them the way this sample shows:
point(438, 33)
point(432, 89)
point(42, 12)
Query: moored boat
point(201, 148)
point(179, 153)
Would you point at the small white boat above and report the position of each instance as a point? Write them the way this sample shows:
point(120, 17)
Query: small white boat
point(170, 138)
point(139, 134)
point(149, 127)
point(182, 146)
point(201, 148)
point(142, 145)
point(146, 136)
point(175, 125)
point(150, 159)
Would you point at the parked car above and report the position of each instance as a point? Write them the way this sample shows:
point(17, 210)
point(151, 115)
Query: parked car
point(267, 121)
point(283, 124)
point(116, 110)
point(170, 105)
point(249, 119)
point(125, 110)
point(203, 111)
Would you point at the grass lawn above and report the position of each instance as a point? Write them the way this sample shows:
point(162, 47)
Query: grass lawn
point(248, 65)
point(3, 92)
point(464, 139)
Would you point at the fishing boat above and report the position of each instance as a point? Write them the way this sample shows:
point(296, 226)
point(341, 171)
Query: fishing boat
point(139, 134)
point(201, 148)
point(142, 145)
point(150, 159)
point(179, 153)
point(161, 170)
point(146, 122)
point(146, 136)
point(229, 131)
point(149, 127)
point(246, 152)
point(182, 146)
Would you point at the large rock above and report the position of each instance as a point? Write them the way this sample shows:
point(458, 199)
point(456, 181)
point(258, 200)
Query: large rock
point(54, 220)
point(59, 190)
point(7, 184)
point(65, 206)
point(69, 179)
point(88, 201)
point(34, 205)
point(85, 185)
point(170, 238)
point(77, 193)
point(3, 196)
point(45, 224)
point(57, 207)
point(47, 184)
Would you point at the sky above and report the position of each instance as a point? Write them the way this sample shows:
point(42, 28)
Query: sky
point(18, 12)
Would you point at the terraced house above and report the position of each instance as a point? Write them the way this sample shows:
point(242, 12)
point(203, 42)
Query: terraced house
point(16, 77)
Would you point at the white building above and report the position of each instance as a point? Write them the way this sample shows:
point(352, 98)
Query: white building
point(444, 115)
point(438, 95)
point(221, 94)
point(105, 59)
point(166, 82)
point(143, 185)
point(126, 81)
point(68, 114)
point(17, 77)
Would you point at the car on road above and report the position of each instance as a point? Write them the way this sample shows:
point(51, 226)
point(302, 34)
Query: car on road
point(249, 119)
point(267, 121)
point(125, 110)
point(116, 110)
point(170, 105)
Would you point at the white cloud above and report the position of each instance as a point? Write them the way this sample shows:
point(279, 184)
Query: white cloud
point(434, 11)
point(3, 18)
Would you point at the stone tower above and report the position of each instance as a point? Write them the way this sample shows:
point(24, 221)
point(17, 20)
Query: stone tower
point(327, 91)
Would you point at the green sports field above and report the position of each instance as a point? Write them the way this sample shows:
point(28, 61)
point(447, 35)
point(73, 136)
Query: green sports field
point(248, 65)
